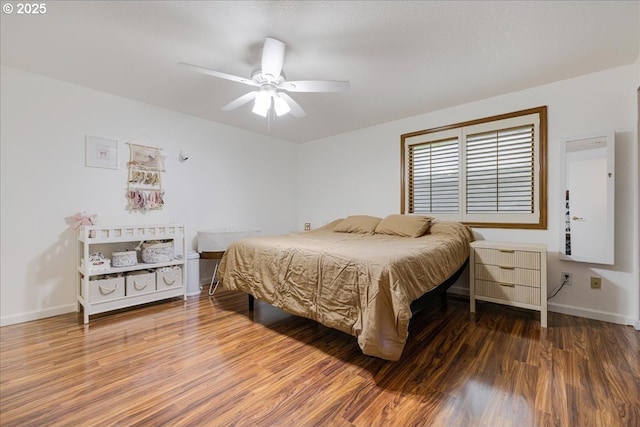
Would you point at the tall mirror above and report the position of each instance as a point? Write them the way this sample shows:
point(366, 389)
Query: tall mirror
point(588, 199)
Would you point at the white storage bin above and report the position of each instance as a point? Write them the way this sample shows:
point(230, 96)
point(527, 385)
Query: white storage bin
point(193, 273)
point(106, 289)
point(155, 252)
point(170, 278)
point(124, 258)
point(96, 265)
point(140, 282)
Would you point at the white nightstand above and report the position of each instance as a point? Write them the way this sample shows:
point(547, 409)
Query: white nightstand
point(514, 274)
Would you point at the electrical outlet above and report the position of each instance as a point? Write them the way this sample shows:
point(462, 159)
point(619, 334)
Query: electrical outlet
point(307, 226)
point(596, 283)
point(566, 278)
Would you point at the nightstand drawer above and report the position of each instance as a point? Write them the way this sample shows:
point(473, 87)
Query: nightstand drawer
point(508, 258)
point(513, 275)
point(507, 292)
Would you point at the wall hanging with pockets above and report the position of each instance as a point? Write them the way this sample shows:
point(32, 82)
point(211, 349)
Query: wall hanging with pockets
point(144, 186)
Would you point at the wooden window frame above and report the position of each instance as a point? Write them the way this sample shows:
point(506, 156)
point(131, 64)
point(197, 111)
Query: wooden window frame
point(541, 164)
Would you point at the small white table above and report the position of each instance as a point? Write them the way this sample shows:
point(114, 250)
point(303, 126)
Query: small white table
point(212, 244)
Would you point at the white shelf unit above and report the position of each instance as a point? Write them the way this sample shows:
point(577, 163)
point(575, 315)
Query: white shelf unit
point(513, 274)
point(113, 238)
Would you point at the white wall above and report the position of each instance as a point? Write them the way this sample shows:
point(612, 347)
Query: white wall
point(240, 179)
point(359, 173)
point(233, 178)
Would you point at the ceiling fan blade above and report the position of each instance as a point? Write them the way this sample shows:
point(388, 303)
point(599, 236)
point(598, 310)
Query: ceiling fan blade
point(272, 57)
point(315, 86)
point(296, 109)
point(218, 74)
point(247, 97)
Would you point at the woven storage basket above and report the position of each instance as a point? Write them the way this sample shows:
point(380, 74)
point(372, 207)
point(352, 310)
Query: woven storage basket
point(124, 259)
point(154, 252)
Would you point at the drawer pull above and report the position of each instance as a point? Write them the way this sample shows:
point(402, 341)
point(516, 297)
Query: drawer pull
point(506, 268)
point(107, 291)
point(169, 280)
point(506, 251)
point(507, 285)
point(140, 286)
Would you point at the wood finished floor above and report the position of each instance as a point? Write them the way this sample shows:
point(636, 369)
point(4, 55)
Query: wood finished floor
point(210, 362)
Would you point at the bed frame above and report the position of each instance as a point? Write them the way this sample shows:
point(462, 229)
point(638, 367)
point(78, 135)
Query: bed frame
point(439, 291)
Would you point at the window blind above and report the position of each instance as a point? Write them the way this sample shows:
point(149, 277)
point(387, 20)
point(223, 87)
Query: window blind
point(500, 171)
point(434, 177)
point(488, 172)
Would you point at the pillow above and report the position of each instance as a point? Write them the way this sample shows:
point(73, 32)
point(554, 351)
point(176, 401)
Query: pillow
point(363, 224)
point(404, 225)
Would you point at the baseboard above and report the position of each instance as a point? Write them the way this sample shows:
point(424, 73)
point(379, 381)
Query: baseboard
point(36, 315)
point(590, 314)
point(572, 311)
point(556, 308)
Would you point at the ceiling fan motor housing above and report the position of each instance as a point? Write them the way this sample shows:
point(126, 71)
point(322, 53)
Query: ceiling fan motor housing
point(260, 78)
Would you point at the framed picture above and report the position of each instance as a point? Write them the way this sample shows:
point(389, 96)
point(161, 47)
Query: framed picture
point(101, 152)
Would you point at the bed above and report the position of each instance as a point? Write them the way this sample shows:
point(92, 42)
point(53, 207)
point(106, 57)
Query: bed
point(358, 279)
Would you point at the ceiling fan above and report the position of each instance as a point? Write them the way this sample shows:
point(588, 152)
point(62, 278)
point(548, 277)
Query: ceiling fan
point(272, 84)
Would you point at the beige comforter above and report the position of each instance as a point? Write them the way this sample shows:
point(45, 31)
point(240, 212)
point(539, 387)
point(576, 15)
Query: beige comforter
point(361, 284)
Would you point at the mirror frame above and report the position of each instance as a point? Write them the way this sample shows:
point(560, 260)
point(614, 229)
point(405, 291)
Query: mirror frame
point(609, 137)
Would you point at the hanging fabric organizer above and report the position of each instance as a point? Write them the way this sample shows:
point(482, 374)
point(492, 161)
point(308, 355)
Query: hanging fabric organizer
point(144, 186)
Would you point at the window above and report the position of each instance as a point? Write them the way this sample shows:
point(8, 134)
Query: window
point(487, 173)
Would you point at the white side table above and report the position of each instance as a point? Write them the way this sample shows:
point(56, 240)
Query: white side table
point(513, 274)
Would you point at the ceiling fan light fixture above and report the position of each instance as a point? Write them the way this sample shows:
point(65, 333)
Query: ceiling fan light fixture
point(271, 98)
point(263, 104)
point(280, 105)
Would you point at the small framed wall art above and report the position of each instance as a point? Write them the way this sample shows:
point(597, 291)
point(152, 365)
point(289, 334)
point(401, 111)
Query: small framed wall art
point(101, 152)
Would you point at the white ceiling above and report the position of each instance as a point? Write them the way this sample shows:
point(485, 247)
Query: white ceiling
point(403, 58)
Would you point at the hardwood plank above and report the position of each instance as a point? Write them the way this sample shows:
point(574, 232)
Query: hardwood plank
point(209, 361)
